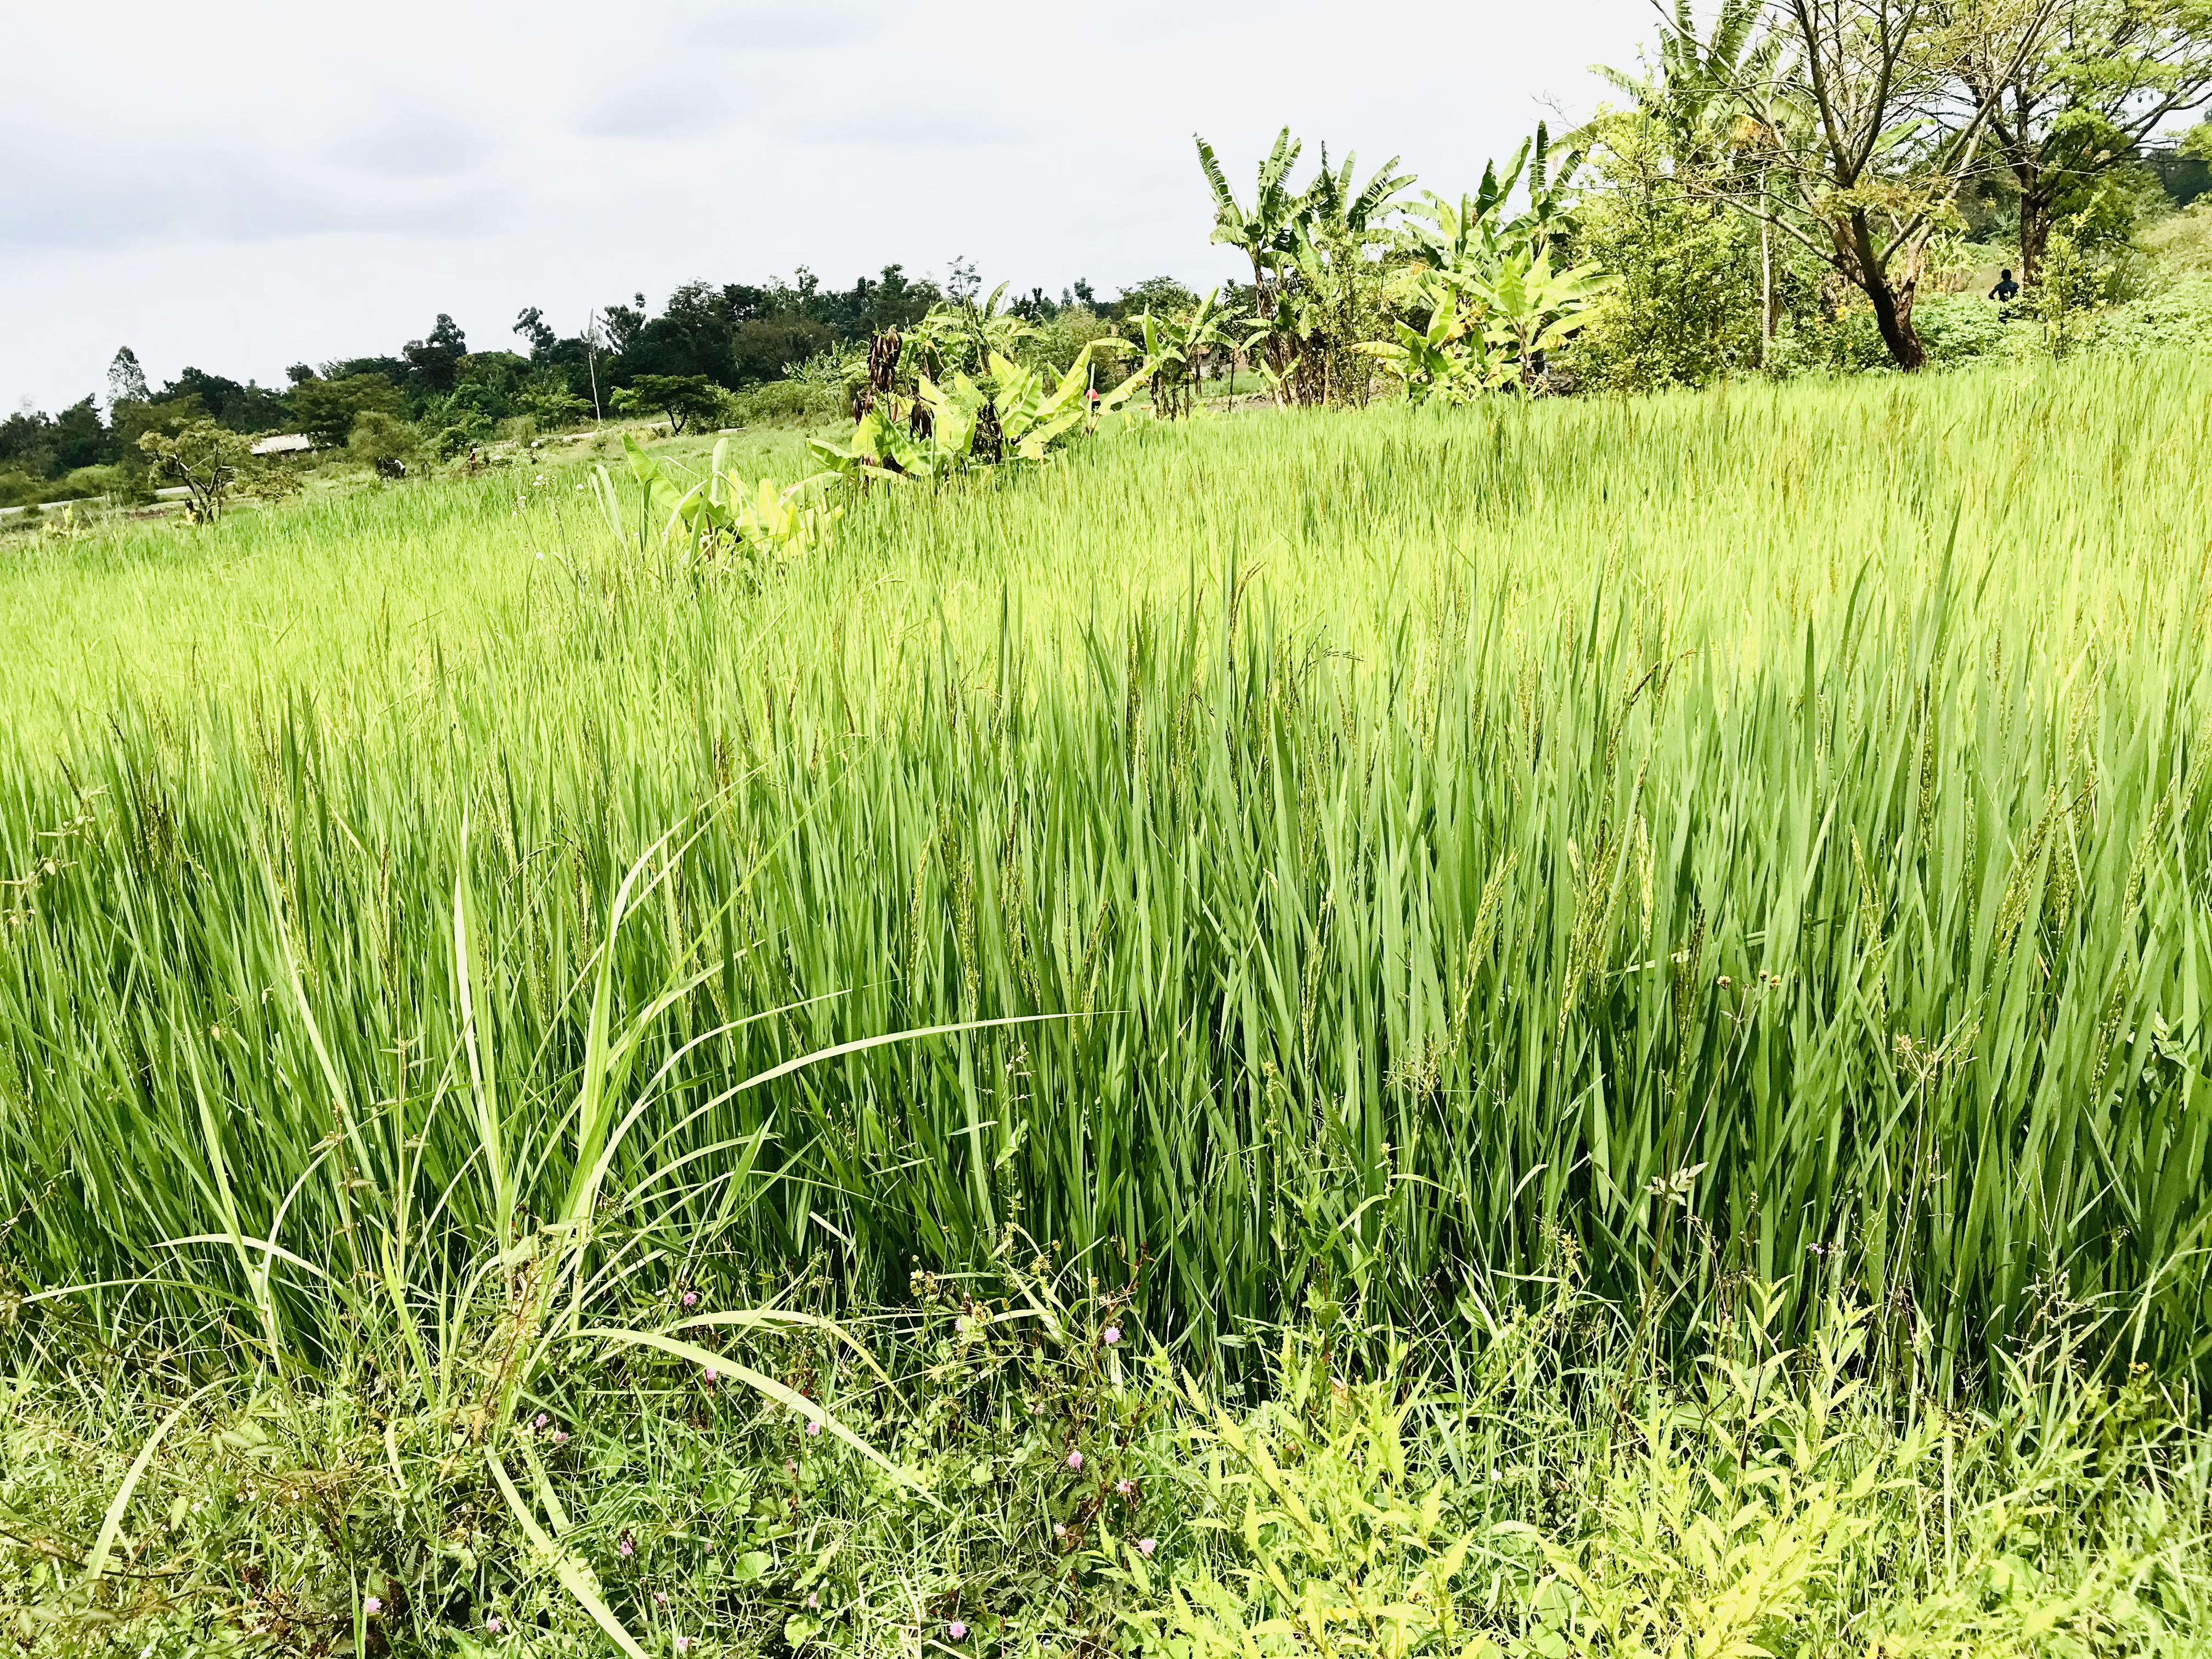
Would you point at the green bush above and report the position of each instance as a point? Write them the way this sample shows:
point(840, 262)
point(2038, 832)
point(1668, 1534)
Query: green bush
point(1956, 328)
point(786, 402)
point(379, 440)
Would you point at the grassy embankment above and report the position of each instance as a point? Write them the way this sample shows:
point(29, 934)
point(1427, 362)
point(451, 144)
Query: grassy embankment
point(1744, 855)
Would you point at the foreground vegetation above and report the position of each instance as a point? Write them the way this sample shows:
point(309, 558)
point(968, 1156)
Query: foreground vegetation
point(1656, 944)
point(1529, 1485)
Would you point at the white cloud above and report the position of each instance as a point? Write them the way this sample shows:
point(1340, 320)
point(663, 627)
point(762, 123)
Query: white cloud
point(239, 186)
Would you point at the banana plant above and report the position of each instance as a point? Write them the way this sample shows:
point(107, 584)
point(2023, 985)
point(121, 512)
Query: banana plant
point(1173, 345)
point(722, 512)
point(1488, 283)
point(962, 335)
point(960, 423)
point(1451, 359)
point(1294, 239)
point(1530, 309)
point(1265, 233)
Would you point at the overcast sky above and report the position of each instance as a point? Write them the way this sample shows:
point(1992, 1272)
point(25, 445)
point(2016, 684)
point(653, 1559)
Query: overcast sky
point(239, 187)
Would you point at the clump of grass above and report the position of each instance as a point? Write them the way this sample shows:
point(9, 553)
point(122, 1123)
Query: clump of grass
point(1527, 1485)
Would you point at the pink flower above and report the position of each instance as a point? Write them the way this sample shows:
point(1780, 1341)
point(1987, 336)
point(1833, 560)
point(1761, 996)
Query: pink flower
point(627, 1546)
point(494, 1625)
point(683, 1644)
point(1147, 1545)
point(1126, 1488)
point(710, 1376)
point(1075, 1460)
point(813, 1600)
point(957, 1631)
point(814, 1428)
point(660, 1598)
point(1110, 1335)
point(560, 1437)
point(371, 1606)
point(691, 1298)
point(540, 1421)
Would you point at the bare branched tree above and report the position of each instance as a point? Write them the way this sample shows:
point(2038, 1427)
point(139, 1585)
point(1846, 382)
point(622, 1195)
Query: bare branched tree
point(2102, 79)
point(1875, 128)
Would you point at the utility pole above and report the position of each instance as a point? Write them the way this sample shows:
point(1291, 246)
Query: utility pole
point(592, 359)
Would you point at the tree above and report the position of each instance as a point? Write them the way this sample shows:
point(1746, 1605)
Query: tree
point(1866, 142)
point(325, 410)
point(205, 457)
point(1686, 146)
point(685, 398)
point(247, 408)
point(2104, 77)
point(127, 380)
point(435, 363)
point(80, 438)
point(1176, 340)
point(1265, 233)
point(531, 324)
point(1312, 299)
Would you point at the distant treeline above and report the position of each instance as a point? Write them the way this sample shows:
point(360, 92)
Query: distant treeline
point(735, 336)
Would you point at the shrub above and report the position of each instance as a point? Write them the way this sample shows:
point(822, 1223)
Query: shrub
point(379, 440)
point(787, 402)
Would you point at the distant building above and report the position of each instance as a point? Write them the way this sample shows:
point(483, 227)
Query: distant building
point(290, 443)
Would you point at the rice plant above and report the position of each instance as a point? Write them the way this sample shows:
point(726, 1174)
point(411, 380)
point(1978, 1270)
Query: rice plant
point(1759, 836)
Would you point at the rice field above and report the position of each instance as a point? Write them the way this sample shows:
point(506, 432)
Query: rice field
point(1365, 867)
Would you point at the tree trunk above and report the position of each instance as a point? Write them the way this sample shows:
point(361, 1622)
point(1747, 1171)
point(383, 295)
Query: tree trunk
point(1892, 298)
point(2034, 231)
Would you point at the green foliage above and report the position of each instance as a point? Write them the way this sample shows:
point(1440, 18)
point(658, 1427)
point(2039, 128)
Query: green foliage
point(683, 399)
point(1496, 304)
point(1531, 1487)
point(1319, 297)
point(545, 397)
point(1687, 309)
point(1177, 344)
point(719, 515)
point(799, 402)
point(1301, 859)
point(382, 442)
point(203, 457)
point(327, 411)
point(1008, 413)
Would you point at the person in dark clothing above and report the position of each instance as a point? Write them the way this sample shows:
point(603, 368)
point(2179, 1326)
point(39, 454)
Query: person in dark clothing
point(2006, 291)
